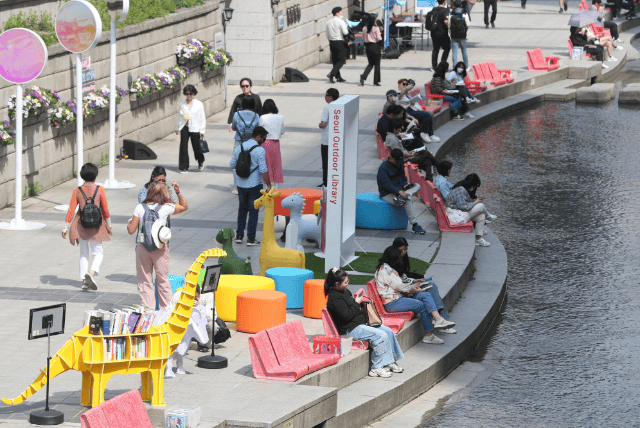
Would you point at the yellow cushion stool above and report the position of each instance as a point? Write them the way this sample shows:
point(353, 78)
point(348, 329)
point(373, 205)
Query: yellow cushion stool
point(261, 309)
point(231, 285)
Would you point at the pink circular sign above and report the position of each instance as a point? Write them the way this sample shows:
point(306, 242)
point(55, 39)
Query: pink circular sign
point(23, 55)
point(78, 26)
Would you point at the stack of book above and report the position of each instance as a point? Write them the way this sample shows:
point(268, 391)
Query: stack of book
point(119, 321)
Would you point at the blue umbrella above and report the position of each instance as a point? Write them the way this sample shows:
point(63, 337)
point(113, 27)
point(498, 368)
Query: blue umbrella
point(584, 18)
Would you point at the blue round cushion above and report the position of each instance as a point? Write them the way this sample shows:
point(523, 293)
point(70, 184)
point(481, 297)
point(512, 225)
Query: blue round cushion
point(375, 213)
point(290, 281)
point(176, 281)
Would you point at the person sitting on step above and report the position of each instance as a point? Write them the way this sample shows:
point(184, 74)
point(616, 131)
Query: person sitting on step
point(412, 148)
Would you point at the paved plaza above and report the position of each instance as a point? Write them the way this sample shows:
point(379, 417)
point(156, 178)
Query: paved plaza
point(40, 268)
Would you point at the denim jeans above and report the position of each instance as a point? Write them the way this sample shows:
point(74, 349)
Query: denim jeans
point(462, 43)
point(385, 346)
point(416, 306)
point(435, 295)
point(246, 197)
point(456, 106)
point(424, 117)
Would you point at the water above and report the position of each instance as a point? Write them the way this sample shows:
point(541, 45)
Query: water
point(564, 181)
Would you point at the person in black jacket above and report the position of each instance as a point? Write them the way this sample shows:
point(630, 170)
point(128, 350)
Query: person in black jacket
point(245, 85)
point(590, 47)
point(349, 317)
point(440, 35)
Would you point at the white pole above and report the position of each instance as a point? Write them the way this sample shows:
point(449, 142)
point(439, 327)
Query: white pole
point(18, 180)
point(79, 115)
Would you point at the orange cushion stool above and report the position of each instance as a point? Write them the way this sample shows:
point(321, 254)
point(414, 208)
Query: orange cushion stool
point(260, 309)
point(309, 195)
point(314, 298)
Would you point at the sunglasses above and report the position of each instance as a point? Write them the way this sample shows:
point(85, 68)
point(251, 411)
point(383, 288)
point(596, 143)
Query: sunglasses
point(161, 181)
point(188, 93)
point(245, 86)
point(405, 84)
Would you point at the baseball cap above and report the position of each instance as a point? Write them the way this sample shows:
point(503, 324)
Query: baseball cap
point(397, 155)
point(392, 93)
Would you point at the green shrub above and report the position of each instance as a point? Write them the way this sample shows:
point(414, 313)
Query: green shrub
point(141, 10)
point(41, 23)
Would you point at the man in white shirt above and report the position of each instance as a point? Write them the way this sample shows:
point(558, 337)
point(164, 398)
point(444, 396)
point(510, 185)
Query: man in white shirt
point(331, 95)
point(336, 31)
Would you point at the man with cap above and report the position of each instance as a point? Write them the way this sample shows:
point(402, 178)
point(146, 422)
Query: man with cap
point(336, 31)
point(394, 188)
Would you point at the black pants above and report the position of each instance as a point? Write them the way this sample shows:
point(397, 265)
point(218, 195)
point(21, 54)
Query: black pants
point(613, 28)
point(494, 10)
point(598, 51)
point(324, 154)
point(338, 56)
point(424, 160)
point(443, 42)
point(183, 158)
point(374, 54)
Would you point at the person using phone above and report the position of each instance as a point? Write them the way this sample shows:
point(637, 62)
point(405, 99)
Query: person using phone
point(440, 85)
point(349, 317)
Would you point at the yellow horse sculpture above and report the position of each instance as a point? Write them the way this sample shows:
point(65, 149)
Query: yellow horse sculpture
point(85, 352)
point(271, 255)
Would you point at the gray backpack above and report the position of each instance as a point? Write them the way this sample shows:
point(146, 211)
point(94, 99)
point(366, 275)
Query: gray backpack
point(146, 224)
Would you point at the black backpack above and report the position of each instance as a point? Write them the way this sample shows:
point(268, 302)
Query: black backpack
point(243, 166)
point(90, 215)
point(458, 27)
point(431, 22)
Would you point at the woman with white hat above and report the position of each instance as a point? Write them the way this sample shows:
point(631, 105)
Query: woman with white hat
point(152, 241)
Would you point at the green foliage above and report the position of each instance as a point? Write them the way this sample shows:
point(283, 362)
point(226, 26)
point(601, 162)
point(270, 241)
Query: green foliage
point(104, 159)
point(141, 10)
point(41, 23)
point(32, 190)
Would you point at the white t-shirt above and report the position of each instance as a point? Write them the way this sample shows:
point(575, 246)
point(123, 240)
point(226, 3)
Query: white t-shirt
point(165, 211)
point(325, 131)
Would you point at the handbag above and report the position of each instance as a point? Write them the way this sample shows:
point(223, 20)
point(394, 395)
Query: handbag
point(457, 216)
point(204, 146)
point(373, 318)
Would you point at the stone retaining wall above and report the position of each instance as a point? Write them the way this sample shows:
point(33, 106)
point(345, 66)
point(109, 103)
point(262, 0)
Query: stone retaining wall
point(148, 47)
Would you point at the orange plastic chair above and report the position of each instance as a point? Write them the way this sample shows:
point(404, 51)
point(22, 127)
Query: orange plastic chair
point(260, 309)
point(314, 298)
point(309, 195)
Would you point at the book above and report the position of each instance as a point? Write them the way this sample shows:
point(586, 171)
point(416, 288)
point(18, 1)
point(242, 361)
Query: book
point(133, 321)
point(106, 323)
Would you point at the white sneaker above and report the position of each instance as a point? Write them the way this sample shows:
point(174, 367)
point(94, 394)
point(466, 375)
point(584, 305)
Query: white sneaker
point(457, 117)
point(84, 286)
point(448, 331)
point(490, 218)
point(183, 171)
point(484, 232)
point(91, 283)
point(234, 191)
point(482, 243)
point(620, 48)
point(612, 59)
point(469, 115)
point(435, 138)
point(393, 367)
point(604, 65)
point(432, 339)
point(442, 324)
point(425, 137)
point(618, 41)
point(379, 372)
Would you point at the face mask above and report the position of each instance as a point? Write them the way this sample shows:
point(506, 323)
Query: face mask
point(341, 16)
point(460, 70)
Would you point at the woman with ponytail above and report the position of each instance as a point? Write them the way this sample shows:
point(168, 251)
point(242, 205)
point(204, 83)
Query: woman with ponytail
point(350, 320)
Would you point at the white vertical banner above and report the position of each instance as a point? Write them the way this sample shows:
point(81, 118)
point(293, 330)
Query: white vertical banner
point(340, 203)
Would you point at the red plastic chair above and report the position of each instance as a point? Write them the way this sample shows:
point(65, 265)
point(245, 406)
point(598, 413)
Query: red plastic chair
point(383, 151)
point(428, 94)
point(497, 74)
point(414, 176)
point(331, 331)
point(124, 411)
point(538, 62)
point(474, 86)
point(437, 205)
point(265, 363)
point(586, 55)
point(372, 290)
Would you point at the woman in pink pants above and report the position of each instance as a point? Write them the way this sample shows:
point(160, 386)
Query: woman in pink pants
point(158, 199)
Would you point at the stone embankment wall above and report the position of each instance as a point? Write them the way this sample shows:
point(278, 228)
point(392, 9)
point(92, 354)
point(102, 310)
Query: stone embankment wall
point(49, 154)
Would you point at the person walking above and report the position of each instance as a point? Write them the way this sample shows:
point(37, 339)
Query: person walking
point(157, 203)
point(244, 122)
point(494, 11)
point(274, 124)
point(372, 38)
point(336, 31)
point(563, 7)
point(191, 123)
point(330, 96)
point(158, 175)
point(458, 23)
point(245, 85)
point(249, 187)
point(88, 237)
point(440, 35)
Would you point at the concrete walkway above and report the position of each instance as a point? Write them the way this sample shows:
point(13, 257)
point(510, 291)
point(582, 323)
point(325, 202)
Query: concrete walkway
point(39, 268)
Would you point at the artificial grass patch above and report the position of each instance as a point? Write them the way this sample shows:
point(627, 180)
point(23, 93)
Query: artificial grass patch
point(366, 263)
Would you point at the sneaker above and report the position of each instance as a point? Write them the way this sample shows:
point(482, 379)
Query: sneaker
point(442, 324)
point(203, 348)
point(486, 25)
point(234, 191)
point(399, 200)
point(472, 100)
point(604, 65)
point(490, 218)
point(432, 339)
point(379, 372)
point(183, 171)
point(618, 41)
point(469, 115)
point(561, 10)
point(612, 59)
point(330, 76)
point(425, 137)
point(482, 243)
point(393, 367)
point(239, 239)
point(566, 6)
point(201, 166)
point(435, 138)
point(418, 229)
point(361, 80)
point(340, 79)
point(524, 6)
point(91, 283)
point(448, 330)
point(320, 186)
point(252, 242)
point(484, 232)
point(84, 286)
point(620, 48)
point(457, 117)
point(493, 25)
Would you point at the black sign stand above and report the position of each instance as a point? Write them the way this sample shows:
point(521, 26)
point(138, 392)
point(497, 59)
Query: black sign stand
point(210, 285)
point(47, 416)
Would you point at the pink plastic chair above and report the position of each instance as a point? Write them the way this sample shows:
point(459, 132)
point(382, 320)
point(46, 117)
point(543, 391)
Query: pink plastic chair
point(497, 74)
point(372, 290)
point(437, 205)
point(124, 411)
point(537, 62)
point(331, 331)
point(265, 363)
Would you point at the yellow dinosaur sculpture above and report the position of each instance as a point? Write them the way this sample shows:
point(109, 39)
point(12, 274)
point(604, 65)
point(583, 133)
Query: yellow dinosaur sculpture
point(85, 351)
point(271, 255)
